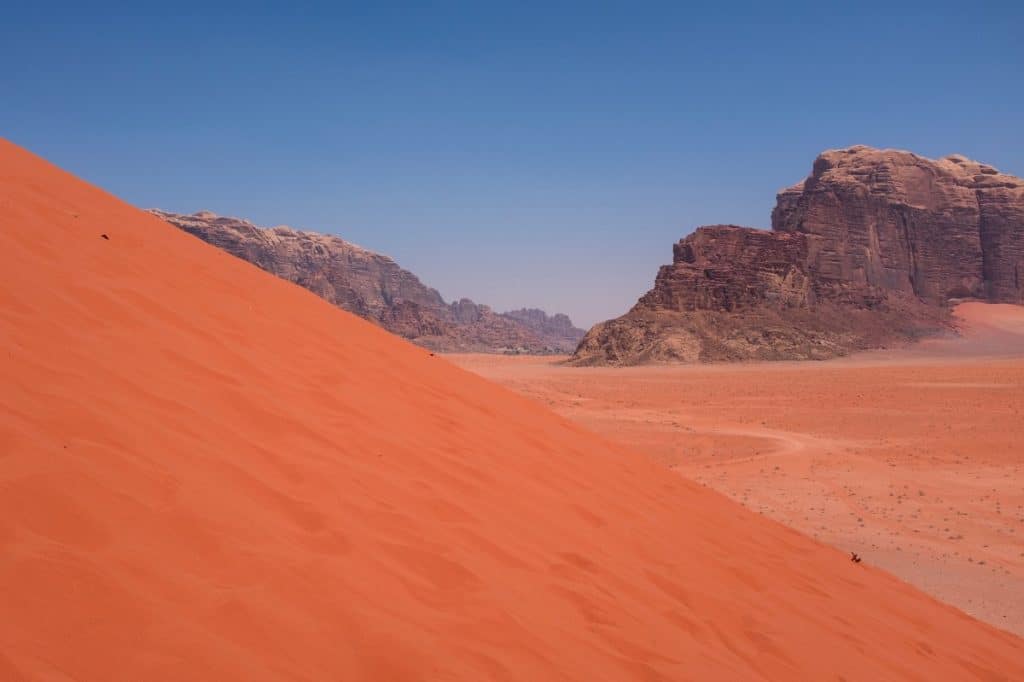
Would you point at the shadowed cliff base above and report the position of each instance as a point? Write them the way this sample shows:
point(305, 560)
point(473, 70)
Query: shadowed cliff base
point(867, 252)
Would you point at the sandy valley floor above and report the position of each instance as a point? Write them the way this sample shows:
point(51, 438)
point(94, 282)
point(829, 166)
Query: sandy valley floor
point(913, 459)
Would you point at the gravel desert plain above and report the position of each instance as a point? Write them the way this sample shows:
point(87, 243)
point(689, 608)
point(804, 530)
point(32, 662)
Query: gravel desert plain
point(209, 473)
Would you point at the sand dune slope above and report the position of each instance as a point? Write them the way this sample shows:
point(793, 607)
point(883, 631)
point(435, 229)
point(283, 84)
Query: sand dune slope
point(911, 456)
point(208, 473)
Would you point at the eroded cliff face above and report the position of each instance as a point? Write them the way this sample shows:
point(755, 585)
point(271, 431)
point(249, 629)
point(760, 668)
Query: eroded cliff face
point(951, 228)
point(375, 287)
point(865, 252)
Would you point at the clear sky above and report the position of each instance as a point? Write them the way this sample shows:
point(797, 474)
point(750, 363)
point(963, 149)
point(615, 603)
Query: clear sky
point(521, 154)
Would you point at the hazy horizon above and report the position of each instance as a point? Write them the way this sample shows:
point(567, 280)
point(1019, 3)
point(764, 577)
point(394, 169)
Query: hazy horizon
point(539, 156)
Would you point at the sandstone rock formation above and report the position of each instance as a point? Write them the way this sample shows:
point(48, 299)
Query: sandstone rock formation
point(866, 252)
point(373, 286)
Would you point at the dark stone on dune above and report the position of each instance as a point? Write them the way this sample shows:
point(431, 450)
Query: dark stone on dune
point(867, 252)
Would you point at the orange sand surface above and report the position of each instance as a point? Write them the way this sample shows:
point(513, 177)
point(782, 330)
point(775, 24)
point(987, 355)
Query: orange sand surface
point(208, 473)
point(914, 459)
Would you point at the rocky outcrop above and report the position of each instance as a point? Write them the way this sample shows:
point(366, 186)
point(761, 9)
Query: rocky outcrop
point(866, 252)
point(375, 287)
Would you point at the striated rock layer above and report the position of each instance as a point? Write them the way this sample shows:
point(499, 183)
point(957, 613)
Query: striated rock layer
point(375, 287)
point(864, 253)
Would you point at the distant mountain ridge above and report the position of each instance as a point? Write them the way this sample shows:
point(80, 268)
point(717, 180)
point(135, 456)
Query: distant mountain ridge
point(374, 286)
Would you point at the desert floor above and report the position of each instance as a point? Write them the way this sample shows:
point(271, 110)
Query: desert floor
point(911, 458)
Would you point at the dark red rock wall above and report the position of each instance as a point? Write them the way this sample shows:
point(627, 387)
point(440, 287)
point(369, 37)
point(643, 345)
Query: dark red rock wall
point(728, 268)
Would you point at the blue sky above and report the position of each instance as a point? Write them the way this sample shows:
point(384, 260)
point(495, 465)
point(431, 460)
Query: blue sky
point(538, 154)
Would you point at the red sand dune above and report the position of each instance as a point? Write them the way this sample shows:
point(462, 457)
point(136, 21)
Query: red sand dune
point(208, 473)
